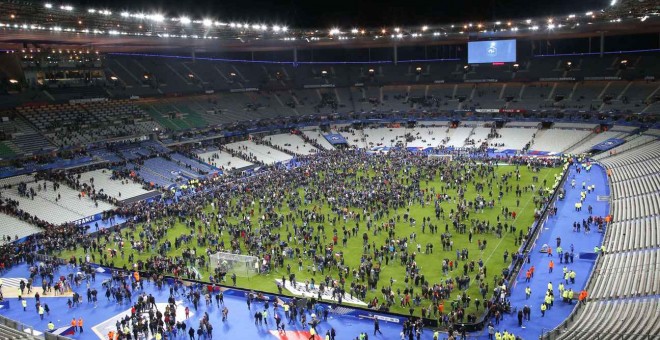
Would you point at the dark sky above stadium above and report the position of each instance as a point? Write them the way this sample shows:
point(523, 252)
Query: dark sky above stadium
point(350, 13)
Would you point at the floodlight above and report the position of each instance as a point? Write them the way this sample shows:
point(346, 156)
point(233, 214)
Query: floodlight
point(425, 28)
point(113, 78)
point(354, 31)
point(334, 31)
point(49, 6)
point(207, 22)
point(13, 81)
point(185, 20)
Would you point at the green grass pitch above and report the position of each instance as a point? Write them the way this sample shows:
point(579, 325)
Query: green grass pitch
point(430, 264)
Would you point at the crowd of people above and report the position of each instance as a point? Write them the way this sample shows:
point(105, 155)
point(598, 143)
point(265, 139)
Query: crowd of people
point(278, 216)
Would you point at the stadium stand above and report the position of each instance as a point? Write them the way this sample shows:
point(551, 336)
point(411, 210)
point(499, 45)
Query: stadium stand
point(615, 319)
point(513, 138)
point(258, 152)
point(558, 140)
point(459, 135)
point(388, 137)
point(292, 143)
point(626, 280)
point(222, 159)
point(102, 180)
point(428, 134)
point(57, 206)
point(592, 140)
point(16, 228)
point(317, 137)
point(79, 124)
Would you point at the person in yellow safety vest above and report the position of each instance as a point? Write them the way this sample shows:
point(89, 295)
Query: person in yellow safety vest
point(24, 303)
point(327, 335)
point(565, 295)
point(572, 276)
point(436, 335)
point(498, 336)
point(550, 286)
point(51, 326)
point(570, 295)
point(566, 277)
point(159, 336)
point(561, 288)
point(505, 335)
point(602, 250)
point(596, 249)
point(543, 308)
point(547, 299)
point(41, 312)
point(528, 292)
point(312, 333)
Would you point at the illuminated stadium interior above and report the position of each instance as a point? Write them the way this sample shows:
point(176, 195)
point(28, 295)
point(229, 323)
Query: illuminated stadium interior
point(181, 160)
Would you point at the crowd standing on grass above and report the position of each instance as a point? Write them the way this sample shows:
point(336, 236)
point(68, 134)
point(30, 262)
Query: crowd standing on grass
point(288, 227)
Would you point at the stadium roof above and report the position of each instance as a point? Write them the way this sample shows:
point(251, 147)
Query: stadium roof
point(107, 30)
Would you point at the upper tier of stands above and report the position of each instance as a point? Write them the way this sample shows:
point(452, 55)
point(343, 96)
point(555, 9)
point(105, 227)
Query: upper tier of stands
point(80, 124)
point(186, 75)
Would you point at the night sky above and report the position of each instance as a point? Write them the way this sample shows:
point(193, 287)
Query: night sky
point(350, 13)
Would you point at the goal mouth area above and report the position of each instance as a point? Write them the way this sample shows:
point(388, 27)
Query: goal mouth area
point(235, 264)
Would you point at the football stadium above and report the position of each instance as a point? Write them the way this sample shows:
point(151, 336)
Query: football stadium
point(340, 171)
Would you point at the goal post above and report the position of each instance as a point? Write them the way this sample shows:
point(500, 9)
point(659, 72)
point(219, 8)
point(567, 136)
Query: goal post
point(441, 157)
point(241, 265)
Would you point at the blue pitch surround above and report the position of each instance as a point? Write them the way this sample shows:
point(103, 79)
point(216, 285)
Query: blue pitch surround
point(240, 324)
point(561, 226)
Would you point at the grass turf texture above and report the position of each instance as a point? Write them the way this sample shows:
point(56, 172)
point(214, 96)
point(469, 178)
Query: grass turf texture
point(431, 264)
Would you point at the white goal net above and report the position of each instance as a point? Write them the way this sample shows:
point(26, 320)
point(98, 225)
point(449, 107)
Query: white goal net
point(241, 265)
point(445, 158)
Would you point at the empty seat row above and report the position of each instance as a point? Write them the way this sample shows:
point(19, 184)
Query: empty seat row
point(627, 274)
point(616, 319)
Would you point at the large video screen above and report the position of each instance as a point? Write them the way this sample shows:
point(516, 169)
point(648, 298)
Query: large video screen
point(495, 51)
